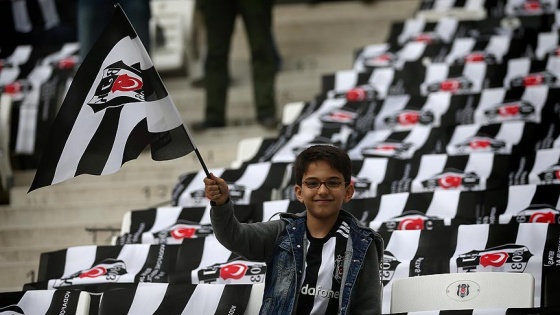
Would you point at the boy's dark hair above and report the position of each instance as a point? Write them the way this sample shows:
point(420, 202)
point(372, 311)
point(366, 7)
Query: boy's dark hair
point(336, 157)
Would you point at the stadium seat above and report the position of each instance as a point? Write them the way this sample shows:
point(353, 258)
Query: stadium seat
point(255, 300)
point(246, 149)
point(172, 30)
point(291, 111)
point(68, 301)
point(6, 175)
point(482, 290)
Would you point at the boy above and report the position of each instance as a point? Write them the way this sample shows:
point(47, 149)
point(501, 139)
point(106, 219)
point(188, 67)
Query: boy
point(320, 261)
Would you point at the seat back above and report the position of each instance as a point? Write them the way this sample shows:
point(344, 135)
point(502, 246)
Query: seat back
point(255, 300)
point(455, 291)
point(6, 175)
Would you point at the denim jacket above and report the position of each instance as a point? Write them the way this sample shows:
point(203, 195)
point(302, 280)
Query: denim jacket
point(281, 245)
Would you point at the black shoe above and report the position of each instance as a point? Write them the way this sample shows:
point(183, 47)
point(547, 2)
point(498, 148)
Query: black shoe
point(203, 125)
point(198, 83)
point(269, 122)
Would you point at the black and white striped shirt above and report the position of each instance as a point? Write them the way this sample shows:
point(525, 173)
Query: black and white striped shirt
point(320, 289)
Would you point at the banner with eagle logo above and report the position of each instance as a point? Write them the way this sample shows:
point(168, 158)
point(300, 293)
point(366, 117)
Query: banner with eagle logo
point(115, 107)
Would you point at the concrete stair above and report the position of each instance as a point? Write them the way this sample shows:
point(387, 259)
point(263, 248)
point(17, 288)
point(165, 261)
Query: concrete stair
point(25, 217)
point(15, 275)
point(63, 234)
point(313, 41)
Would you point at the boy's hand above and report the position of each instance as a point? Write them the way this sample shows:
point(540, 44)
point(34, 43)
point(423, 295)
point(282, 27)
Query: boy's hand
point(216, 189)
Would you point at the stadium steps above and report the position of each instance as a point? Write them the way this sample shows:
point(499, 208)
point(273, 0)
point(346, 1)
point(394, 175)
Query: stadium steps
point(15, 275)
point(313, 40)
point(63, 235)
point(214, 152)
point(25, 217)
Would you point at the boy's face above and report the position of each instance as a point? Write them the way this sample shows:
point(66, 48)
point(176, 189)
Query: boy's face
point(323, 202)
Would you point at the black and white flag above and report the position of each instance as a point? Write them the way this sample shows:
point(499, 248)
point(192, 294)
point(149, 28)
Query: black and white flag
point(116, 106)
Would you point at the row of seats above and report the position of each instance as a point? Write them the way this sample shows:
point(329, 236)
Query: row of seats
point(33, 82)
point(448, 157)
point(433, 120)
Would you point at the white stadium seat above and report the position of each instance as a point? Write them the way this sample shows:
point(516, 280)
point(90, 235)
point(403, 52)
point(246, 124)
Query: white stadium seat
point(255, 300)
point(246, 149)
point(291, 111)
point(455, 291)
point(6, 176)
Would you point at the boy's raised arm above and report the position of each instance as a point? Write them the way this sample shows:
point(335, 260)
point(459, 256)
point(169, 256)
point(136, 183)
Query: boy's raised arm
point(216, 189)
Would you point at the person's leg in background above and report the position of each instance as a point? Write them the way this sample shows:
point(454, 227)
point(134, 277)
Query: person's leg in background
point(257, 17)
point(94, 15)
point(197, 51)
point(277, 54)
point(139, 14)
point(219, 18)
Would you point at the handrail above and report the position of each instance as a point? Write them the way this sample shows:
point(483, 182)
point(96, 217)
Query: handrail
point(95, 230)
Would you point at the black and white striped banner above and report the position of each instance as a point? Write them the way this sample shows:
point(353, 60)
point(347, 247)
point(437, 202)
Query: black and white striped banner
point(97, 268)
point(420, 30)
point(433, 172)
point(522, 203)
point(160, 298)
point(171, 225)
point(252, 183)
point(402, 145)
point(142, 298)
point(106, 265)
point(493, 49)
point(425, 211)
point(515, 137)
point(62, 301)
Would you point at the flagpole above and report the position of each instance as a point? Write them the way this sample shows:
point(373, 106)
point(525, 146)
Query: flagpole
point(201, 162)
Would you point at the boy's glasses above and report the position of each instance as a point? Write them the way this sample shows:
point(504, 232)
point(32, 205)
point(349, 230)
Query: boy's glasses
point(330, 184)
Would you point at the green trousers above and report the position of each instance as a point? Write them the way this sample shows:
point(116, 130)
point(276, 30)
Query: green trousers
point(219, 16)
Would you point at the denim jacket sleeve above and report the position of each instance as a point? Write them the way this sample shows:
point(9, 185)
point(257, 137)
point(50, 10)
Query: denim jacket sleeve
point(253, 241)
point(368, 290)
